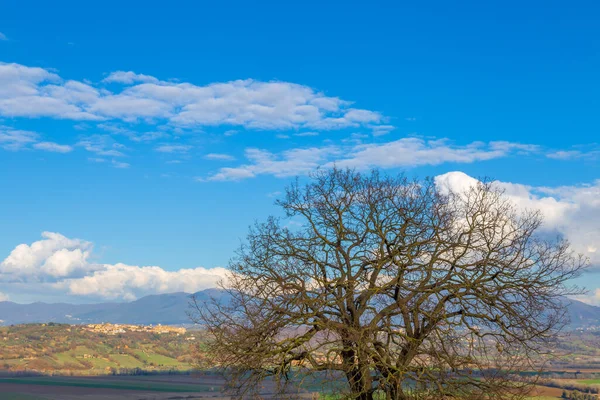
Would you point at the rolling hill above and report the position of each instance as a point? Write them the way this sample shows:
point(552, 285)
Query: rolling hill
point(172, 308)
point(166, 309)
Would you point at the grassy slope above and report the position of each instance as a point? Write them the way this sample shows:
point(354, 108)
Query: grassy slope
point(66, 349)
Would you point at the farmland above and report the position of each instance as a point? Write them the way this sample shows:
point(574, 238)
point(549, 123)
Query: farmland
point(78, 350)
point(104, 361)
point(158, 387)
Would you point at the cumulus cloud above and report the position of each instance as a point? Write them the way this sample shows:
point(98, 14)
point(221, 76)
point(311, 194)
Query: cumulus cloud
point(571, 211)
point(63, 265)
point(406, 152)
point(37, 92)
point(55, 256)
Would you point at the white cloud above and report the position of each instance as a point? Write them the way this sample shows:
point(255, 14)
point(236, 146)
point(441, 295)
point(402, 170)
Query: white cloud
point(592, 153)
point(3, 297)
point(564, 154)
point(14, 140)
point(132, 134)
point(309, 133)
point(380, 130)
point(572, 211)
point(219, 157)
point(289, 163)
point(37, 92)
point(53, 147)
point(128, 77)
point(3, 37)
point(102, 145)
point(411, 152)
point(173, 148)
point(63, 266)
point(148, 136)
point(119, 164)
point(406, 152)
point(52, 257)
point(128, 282)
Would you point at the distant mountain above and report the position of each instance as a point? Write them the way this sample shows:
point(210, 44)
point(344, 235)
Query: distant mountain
point(582, 315)
point(172, 308)
point(166, 309)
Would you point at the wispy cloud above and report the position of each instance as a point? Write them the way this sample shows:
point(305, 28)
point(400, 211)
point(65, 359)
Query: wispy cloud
point(128, 78)
point(102, 145)
point(219, 157)
point(3, 37)
point(289, 163)
point(380, 130)
point(589, 152)
point(14, 139)
point(309, 133)
point(406, 152)
point(173, 148)
point(53, 147)
point(119, 164)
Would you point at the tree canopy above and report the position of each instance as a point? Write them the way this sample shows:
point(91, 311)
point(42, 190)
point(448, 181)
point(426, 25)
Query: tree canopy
point(401, 287)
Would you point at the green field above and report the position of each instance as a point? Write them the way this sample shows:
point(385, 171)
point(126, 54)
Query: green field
point(126, 361)
point(589, 381)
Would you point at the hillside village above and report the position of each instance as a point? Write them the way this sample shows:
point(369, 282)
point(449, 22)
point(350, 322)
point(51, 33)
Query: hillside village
point(114, 329)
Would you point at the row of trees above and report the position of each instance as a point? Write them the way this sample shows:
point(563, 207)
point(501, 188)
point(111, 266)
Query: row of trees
point(404, 288)
point(576, 395)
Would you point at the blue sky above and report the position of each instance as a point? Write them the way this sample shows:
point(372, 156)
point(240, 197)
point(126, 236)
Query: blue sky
point(145, 134)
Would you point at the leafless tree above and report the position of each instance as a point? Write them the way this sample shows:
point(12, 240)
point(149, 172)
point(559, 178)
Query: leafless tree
point(403, 288)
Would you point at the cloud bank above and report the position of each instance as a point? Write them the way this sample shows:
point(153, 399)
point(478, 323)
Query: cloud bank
point(62, 266)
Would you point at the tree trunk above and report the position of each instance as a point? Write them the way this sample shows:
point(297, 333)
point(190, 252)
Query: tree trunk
point(361, 385)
